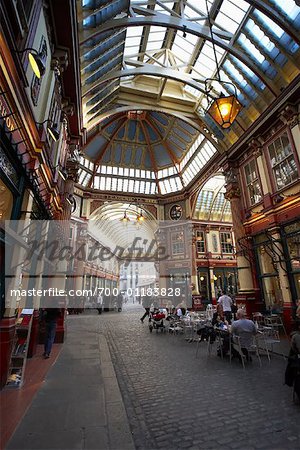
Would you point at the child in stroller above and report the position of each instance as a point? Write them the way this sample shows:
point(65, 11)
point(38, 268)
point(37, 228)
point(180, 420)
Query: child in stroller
point(156, 320)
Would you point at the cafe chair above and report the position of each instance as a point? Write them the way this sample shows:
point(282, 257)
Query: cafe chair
point(267, 338)
point(275, 321)
point(252, 348)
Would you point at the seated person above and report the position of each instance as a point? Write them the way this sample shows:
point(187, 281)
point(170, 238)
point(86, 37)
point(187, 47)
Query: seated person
point(245, 329)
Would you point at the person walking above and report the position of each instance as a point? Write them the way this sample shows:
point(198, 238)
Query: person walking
point(51, 317)
point(225, 301)
point(147, 300)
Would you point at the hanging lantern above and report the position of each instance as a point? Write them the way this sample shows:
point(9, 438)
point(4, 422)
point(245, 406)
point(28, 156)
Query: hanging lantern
point(224, 110)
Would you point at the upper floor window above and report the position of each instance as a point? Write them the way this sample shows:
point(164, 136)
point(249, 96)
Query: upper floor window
point(252, 182)
point(200, 242)
point(177, 240)
point(226, 242)
point(283, 161)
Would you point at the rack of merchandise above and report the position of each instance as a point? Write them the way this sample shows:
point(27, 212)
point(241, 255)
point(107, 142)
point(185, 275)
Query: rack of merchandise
point(20, 349)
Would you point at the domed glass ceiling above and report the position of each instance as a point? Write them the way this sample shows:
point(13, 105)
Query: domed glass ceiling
point(152, 57)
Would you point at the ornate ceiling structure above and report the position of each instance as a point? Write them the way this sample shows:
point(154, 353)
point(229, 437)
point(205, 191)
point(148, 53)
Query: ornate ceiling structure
point(143, 67)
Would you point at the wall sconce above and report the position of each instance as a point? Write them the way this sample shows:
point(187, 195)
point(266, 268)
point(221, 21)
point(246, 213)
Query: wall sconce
point(52, 129)
point(36, 61)
point(201, 278)
point(69, 198)
point(63, 173)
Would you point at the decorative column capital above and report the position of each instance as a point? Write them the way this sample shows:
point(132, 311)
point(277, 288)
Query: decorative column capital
point(290, 115)
point(232, 192)
point(256, 145)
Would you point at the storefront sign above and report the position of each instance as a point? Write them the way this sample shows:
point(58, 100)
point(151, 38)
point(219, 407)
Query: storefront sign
point(6, 114)
point(8, 119)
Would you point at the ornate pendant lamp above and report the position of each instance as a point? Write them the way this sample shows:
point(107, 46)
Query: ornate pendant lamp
point(225, 108)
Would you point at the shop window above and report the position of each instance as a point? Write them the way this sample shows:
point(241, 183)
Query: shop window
point(252, 182)
point(177, 243)
point(6, 202)
point(283, 161)
point(200, 242)
point(226, 242)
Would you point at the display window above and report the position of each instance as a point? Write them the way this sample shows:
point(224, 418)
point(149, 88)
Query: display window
point(292, 238)
point(6, 202)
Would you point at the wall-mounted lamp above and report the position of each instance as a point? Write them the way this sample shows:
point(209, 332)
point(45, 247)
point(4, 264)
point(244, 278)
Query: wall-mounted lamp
point(70, 199)
point(36, 61)
point(52, 129)
point(63, 173)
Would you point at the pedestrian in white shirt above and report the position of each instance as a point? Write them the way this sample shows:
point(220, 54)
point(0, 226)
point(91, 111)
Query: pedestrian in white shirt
point(225, 301)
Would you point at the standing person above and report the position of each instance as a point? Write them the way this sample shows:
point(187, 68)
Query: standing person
point(225, 301)
point(99, 302)
point(119, 302)
point(51, 316)
point(147, 300)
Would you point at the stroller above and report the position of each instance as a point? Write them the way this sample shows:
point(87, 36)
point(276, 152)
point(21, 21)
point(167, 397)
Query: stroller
point(156, 321)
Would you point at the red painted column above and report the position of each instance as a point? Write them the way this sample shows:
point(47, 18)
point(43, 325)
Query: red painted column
point(7, 334)
point(248, 296)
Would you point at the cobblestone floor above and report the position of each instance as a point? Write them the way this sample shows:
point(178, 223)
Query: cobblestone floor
point(177, 401)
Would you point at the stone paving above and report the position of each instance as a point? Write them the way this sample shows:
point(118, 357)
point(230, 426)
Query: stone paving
point(177, 401)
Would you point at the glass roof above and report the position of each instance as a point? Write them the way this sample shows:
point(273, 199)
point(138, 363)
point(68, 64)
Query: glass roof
point(153, 56)
point(211, 204)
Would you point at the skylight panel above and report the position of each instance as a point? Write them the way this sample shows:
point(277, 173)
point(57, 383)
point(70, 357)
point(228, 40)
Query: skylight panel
point(259, 35)
point(131, 185)
point(270, 25)
point(227, 23)
point(251, 49)
point(102, 184)
point(231, 15)
point(200, 5)
point(125, 185)
point(288, 7)
point(153, 46)
point(184, 44)
point(134, 31)
point(180, 53)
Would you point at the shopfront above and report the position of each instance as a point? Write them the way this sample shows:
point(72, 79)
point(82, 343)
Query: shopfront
point(291, 244)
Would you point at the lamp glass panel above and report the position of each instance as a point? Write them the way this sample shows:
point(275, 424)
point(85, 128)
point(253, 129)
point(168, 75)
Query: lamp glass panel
point(34, 65)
